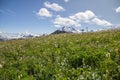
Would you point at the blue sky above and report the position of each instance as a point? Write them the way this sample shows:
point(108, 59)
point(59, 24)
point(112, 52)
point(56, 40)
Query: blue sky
point(45, 16)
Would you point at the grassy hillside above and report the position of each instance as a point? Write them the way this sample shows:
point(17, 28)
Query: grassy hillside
point(88, 56)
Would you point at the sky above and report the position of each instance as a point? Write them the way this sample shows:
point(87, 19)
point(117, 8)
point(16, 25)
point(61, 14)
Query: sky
point(45, 16)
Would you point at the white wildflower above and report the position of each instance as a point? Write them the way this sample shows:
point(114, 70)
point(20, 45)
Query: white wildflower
point(107, 55)
point(1, 65)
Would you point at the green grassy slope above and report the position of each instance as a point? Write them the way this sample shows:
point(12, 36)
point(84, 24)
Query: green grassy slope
point(88, 56)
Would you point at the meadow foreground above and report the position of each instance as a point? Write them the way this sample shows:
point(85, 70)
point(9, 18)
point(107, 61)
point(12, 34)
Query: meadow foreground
point(88, 56)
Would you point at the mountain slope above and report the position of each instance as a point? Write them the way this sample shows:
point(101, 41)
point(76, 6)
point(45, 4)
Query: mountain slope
point(59, 32)
point(85, 56)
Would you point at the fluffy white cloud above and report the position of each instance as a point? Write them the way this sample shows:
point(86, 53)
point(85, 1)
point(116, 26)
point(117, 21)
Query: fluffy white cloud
point(66, 0)
point(44, 12)
point(54, 6)
point(83, 16)
point(101, 22)
point(60, 22)
point(117, 10)
point(89, 16)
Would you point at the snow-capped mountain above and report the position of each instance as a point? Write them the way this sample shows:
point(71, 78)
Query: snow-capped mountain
point(9, 36)
point(70, 29)
point(67, 30)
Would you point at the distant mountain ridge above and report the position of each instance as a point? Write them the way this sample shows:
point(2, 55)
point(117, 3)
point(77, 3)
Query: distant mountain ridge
point(8, 36)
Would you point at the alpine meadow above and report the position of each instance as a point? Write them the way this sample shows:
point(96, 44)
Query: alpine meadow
point(59, 39)
point(86, 56)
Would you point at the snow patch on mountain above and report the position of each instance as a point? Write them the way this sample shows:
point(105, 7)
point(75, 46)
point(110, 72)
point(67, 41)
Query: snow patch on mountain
point(9, 36)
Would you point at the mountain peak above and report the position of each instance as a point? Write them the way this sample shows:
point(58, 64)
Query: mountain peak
point(66, 30)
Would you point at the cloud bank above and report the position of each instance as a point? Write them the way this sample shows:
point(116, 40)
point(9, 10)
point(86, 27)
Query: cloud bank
point(53, 6)
point(101, 22)
point(75, 20)
point(61, 21)
point(83, 16)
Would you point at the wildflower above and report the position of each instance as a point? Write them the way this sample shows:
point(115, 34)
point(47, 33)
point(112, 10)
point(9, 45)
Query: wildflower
point(107, 55)
point(83, 61)
point(107, 71)
point(56, 45)
point(1, 66)
point(81, 77)
point(116, 50)
point(20, 76)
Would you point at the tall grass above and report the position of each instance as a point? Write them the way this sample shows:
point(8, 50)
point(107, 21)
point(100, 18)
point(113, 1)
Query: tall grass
point(87, 56)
